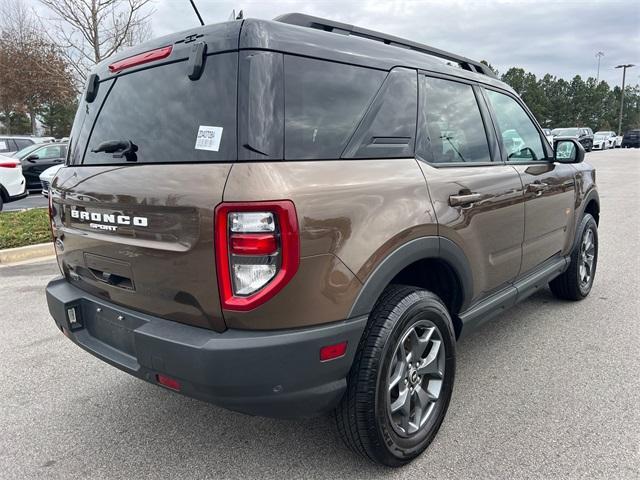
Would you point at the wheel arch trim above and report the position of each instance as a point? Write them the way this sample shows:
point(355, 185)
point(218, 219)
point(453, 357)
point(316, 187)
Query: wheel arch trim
point(432, 247)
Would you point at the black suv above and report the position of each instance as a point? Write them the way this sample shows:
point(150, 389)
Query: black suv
point(583, 134)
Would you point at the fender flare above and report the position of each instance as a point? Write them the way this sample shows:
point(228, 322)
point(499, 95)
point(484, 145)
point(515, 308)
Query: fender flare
point(412, 251)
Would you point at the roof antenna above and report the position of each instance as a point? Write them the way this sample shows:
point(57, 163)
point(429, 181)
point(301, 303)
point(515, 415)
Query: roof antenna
point(197, 12)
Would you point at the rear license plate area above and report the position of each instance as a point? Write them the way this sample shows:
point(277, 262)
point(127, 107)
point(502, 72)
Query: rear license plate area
point(112, 328)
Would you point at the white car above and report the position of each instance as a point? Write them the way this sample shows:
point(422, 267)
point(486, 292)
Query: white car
point(603, 140)
point(13, 186)
point(548, 135)
point(46, 178)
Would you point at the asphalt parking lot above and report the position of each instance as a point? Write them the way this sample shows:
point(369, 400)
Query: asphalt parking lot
point(34, 200)
point(549, 389)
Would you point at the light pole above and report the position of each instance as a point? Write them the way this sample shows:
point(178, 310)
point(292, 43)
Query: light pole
point(624, 74)
point(599, 55)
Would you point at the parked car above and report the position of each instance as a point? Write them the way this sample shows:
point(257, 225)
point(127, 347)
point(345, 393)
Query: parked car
point(548, 135)
point(603, 140)
point(12, 182)
point(46, 178)
point(11, 144)
point(631, 139)
point(264, 238)
point(37, 158)
point(583, 134)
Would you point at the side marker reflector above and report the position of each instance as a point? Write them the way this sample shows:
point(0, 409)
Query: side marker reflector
point(331, 352)
point(168, 382)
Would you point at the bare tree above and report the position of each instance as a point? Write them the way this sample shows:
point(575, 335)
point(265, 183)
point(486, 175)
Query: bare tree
point(32, 69)
point(90, 31)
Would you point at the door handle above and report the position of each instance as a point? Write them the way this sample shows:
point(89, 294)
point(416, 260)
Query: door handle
point(462, 200)
point(537, 187)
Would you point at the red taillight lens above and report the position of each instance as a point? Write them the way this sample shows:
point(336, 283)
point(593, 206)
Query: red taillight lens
point(140, 59)
point(253, 244)
point(331, 352)
point(257, 249)
point(9, 163)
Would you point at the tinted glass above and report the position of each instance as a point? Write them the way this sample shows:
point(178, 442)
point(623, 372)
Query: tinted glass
point(324, 102)
point(454, 124)
point(520, 137)
point(25, 151)
point(389, 126)
point(23, 143)
point(170, 117)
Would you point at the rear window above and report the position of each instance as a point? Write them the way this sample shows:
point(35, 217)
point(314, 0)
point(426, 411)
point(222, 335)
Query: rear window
point(324, 101)
point(169, 117)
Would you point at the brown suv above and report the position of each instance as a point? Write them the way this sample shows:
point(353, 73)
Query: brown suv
point(285, 218)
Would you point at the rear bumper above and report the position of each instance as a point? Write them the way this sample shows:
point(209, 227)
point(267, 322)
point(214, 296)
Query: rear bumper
point(268, 373)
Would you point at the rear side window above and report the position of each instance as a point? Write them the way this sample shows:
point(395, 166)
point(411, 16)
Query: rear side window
point(324, 102)
point(22, 143)
point(454, 124)
point(169, 117)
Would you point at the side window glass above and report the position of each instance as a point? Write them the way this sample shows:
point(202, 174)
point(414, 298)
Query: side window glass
point(520, 137)
point(454, 123)
point(323, 104)
point(49, 152)
point(389, 126)
point(23, 143)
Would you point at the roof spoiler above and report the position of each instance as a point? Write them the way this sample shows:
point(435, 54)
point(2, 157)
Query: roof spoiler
point(318, 23)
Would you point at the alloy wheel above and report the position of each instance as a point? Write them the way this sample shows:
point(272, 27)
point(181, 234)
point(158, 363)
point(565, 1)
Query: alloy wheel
point(415, 377)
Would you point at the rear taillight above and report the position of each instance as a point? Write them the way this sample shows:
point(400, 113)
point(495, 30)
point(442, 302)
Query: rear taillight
point(9, 163)
point(257, 250)
point(141, 58)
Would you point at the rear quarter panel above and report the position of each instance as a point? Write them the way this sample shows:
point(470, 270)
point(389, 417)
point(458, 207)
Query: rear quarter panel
point(351, 214)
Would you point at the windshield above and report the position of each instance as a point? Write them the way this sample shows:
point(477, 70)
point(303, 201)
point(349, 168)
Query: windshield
point(565, 132)
point(599, 136)
point(26, 151)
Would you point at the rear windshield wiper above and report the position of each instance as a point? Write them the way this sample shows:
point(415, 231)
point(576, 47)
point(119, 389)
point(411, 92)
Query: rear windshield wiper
point(126, 148)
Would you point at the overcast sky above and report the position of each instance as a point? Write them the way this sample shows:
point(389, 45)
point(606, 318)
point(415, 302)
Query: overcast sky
point(558, 37)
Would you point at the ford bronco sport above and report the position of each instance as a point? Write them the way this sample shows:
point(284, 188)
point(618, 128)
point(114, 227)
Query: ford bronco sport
point(297, 216)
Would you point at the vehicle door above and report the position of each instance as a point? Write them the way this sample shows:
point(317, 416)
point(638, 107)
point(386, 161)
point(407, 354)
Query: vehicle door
point(478, 199)
point(549, 186)
point(41, 159)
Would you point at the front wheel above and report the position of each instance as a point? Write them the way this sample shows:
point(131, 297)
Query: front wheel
point(576, 282)
point(402, 378)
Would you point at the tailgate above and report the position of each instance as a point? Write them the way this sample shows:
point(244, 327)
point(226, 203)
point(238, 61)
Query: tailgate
point(142, 237)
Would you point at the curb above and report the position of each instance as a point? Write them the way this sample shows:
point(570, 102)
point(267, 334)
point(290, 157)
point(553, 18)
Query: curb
point(12, 255)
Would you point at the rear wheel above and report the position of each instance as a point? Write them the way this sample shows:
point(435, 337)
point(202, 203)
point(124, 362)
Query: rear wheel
point(576, 282)
point(1, 203)
point(401, 381)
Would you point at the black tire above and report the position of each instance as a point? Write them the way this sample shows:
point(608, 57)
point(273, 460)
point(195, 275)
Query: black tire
point(364, 417)
point(1, 203)
point(569, 285)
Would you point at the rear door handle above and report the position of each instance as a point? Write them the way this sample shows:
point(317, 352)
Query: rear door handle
point(461, 200)
point(537, 187)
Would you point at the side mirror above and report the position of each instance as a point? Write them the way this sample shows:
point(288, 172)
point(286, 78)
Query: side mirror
point(567, 150)
point(32, 157)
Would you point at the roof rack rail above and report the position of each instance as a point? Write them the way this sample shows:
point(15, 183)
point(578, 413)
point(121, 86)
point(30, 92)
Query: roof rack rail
point(318, 23)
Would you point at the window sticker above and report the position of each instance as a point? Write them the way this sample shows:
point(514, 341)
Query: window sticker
point(3, 145)
point(208, 138)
